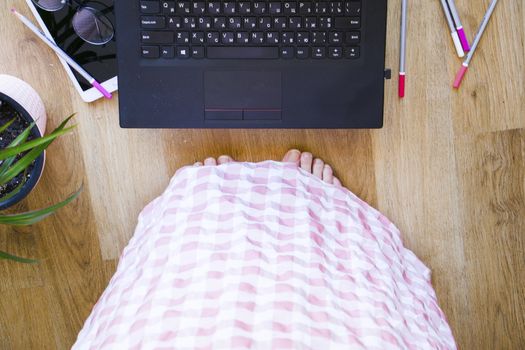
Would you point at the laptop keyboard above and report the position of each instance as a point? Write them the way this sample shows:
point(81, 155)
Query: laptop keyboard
point(250, 29)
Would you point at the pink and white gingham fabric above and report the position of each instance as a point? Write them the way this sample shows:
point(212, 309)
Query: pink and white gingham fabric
point(265, 256)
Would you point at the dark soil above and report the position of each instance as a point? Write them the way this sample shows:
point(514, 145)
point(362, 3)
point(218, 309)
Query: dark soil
point(7, 113)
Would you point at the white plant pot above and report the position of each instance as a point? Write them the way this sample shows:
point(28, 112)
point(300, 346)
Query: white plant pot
point(25, 100)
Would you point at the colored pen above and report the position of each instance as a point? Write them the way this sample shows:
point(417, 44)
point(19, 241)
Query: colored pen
point(459, 27)
point(63, 55)
point(402, 49)
point(453, 32)
point(464, 66)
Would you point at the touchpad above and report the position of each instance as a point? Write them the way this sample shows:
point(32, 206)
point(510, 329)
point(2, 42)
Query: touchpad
point(242, 95)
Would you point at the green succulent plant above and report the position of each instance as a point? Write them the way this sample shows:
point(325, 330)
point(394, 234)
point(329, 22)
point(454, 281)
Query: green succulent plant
point(15, 159)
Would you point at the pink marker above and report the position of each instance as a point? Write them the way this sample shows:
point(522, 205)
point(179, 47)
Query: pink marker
point(63, 55)
point(464, 67)
point(459, 27)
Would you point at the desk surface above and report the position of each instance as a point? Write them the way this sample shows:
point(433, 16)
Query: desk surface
point(447, 168)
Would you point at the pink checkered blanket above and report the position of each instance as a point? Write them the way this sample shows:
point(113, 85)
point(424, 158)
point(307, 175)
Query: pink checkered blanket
point(265, 256)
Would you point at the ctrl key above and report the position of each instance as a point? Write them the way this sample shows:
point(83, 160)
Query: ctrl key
point(150, 52)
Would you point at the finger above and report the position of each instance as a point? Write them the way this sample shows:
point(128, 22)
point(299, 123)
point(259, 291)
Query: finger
point(292, 156)
point(328, 174)
point(210, 161)
point(318, 167)
point(224, 159)
point(306, 161)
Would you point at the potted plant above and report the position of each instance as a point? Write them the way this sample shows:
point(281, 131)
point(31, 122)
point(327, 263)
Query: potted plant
point(22, 152)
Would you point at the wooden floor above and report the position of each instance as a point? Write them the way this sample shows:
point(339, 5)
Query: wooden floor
point(448, 168)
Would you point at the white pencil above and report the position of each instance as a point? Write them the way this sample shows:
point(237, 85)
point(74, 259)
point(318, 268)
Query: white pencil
point(481, 30)
point(453, 32)
point(459, 26)
point(62, 54)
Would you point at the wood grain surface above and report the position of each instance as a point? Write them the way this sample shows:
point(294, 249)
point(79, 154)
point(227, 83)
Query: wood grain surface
point(448, 168)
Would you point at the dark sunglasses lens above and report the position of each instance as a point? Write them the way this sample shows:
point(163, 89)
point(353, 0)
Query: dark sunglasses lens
point(50, 5)
point(92, 26)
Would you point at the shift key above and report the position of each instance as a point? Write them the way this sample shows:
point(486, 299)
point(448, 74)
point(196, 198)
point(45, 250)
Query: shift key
point(158, 37)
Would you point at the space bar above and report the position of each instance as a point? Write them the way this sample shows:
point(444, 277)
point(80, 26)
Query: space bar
point(243, 52)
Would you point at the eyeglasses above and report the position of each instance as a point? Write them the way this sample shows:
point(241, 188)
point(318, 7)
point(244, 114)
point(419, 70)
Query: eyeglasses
point(90, 25)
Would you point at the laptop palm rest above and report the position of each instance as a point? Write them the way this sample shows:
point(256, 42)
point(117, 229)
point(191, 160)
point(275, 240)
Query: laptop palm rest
point(237, 95)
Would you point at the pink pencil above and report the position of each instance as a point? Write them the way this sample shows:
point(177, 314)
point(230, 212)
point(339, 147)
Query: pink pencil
point(464, 67)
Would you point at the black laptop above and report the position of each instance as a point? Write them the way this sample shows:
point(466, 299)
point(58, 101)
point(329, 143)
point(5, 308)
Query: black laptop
point(251, 64)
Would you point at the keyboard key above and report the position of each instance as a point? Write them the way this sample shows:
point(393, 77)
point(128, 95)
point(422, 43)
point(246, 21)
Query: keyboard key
point(157, 37)
point(182, 38)
point(204, 23)
point(245, 8)
point(265, 23)
point(347, 22)
point(197, 38)
point(287, 52)
point(249, 23)
point(353, 8)
point(353, 37)
point(168, 7)
point(305, 8)
point(243, 38)
point(272, 38)
point(325, 22)
point(303, 52)
point(189, 23)
point(150, 51)
point(183, 52)
point(303, 38)
point(197, 52)
point(212, 38)
point(219, 22)
point(319, 38)
point(290, 8)
point(167, 52)
point(174, 22)
point(153, 22)
point(310, 22)
point(295, 23)
point(335, 52)
point(227, 38)
point(234, 23)
point(183, 7)
point(199, 8)
point(319, 52)
point(336, 38)
point(149, 7)
point(352, 52)
point(321, 7)
point(288, 38)
point(223, 52)
point(336, 8)
point(214, 7)
point(257, 38)
point(259, 8)
point(229, 8)
point(280, 23)
point(275, 8)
